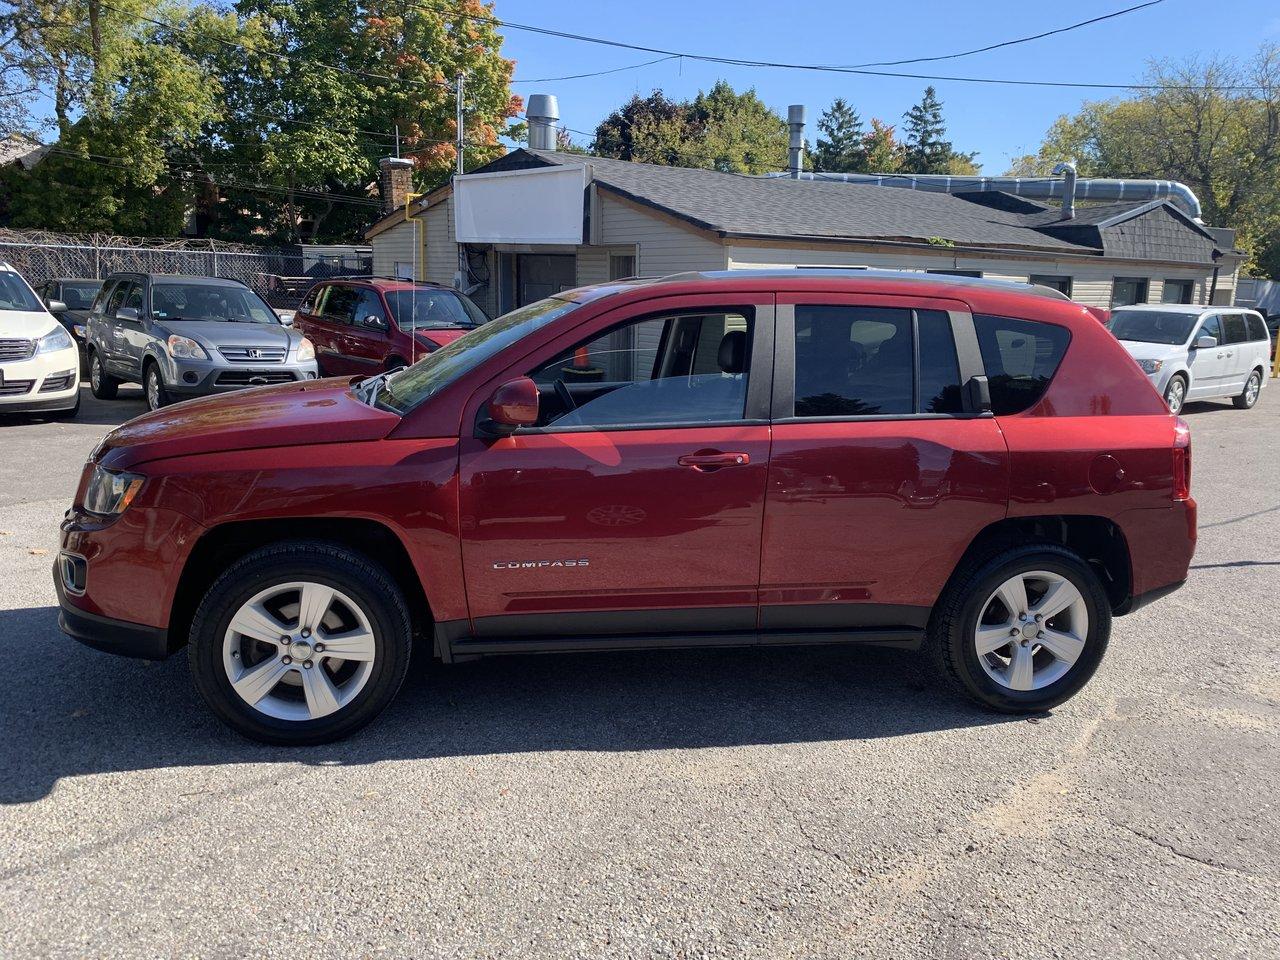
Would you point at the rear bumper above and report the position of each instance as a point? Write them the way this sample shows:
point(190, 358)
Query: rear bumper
point(1162, 543)
point(104, 633)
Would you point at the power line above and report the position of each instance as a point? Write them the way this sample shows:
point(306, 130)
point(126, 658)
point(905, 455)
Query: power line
point(678, 154)
point(601, 73)
point(824, 68)
point(1010, 43)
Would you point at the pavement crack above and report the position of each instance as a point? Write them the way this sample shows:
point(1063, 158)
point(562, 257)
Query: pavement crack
point(1177, 851)
point(816, 846)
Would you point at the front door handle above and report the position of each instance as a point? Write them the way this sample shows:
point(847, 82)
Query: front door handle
point(714, 461)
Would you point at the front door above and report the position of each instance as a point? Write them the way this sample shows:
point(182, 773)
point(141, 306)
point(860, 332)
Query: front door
point(634, 506)
point(1209, 372)
point(880, 471)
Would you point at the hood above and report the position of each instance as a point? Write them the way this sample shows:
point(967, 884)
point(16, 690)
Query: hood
point(226, 333)
point(77, 316)
point(1141, 350)
point(26, 324)
point(312, 412)
point(433, 339)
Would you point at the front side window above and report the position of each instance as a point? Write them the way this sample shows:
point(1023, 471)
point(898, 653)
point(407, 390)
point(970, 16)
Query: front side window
point(1212, 327)
point(15, 294)
point(117, 297)
point(679, 369)
point(1234, 329)
point(861, 361)
point(369, 310)
point(134, 299)
point(211, 302)
point(1020, 357)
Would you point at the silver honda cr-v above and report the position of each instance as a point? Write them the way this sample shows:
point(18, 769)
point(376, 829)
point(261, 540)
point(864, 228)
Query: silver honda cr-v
point(182, 337)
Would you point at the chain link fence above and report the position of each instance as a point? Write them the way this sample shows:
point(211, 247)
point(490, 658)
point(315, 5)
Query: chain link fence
point(280, 275)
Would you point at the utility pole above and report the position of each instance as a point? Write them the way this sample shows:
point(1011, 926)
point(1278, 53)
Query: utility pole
point(461, 123)
point(460, 278)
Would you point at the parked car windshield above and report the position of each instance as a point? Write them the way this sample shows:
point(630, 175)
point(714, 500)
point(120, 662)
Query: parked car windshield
point(404, 390)
point(16, 295)
point(79, 296)
point(1152, 326)
point(429, 308)
point(203, 301)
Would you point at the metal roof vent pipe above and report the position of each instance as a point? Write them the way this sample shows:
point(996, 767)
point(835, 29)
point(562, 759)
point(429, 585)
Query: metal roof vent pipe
point(543, 114)
point(795, 153)
point(1068, 171)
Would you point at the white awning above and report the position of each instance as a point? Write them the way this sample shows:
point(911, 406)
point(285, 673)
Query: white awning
point(537, 206)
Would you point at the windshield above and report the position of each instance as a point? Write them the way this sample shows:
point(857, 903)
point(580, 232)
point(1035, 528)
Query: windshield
point(428, 308)
point(16, 295)
point(79, 296)
point(402, 391)
point(206, 301)
point(1152, 326)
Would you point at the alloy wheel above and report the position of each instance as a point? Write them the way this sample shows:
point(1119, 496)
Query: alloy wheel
point(298, 651)
point(1175, 395)
point(95, 373)
point(1252, 389)
point(1032, 630)
point(153, 389)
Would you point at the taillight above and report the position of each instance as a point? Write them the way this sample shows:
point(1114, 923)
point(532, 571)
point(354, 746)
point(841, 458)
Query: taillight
point(1181, 460)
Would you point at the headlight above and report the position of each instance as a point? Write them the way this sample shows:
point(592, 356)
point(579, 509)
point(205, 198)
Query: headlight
point(184, 348)
point(306, 349)
point(1151, 366)
point(52, 342)
point(109, 493)
point(80, 331)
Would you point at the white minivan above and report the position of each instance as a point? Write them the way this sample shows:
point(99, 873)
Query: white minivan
point(1197, 353)
point(39, 362)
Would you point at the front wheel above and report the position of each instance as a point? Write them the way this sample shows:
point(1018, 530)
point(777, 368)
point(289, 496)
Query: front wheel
point(102, 384)
point(1021, 631)
point(153, 387)
point(1249, 396)
point(1175, 394)
point(300, 643)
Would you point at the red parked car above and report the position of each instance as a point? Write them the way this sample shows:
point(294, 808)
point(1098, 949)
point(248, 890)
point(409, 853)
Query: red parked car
point(368, 325)
point(739, 458)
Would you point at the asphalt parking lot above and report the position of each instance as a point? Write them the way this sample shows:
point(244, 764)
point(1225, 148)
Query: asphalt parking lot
point(785, 803)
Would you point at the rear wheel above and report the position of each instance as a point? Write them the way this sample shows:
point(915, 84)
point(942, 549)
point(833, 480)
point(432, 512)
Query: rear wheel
point(1252, 390)
point(300, 643)
point(102, 384)
point(1023, 630)
point(1175, 394)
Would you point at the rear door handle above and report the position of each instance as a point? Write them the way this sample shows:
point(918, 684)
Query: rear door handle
point(714, 461)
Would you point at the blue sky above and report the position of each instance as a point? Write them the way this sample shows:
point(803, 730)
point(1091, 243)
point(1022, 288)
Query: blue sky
point(998, 122)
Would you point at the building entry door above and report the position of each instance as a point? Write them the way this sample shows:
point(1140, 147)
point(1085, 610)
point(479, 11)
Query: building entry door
point(539, 275)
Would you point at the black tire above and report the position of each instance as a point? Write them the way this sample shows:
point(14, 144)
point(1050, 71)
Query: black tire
point(335, 565)
point(69, 414)
point(950, 646)
point(1173, 400)
point(1252, 386)
point(394, 363)
point(102, 384)
point(154, 393)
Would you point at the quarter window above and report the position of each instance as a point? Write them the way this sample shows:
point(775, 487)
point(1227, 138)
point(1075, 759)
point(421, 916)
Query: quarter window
point(683, 369)
point(1257, 329)
point(1020, 357)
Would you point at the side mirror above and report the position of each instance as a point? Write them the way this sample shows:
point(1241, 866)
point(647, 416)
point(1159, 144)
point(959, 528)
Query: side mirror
point(128, 313)
point(1206, 343)
point(56, 306)
point(513, 405)
point(374, 321)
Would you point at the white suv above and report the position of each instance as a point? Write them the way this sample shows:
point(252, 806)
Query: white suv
point(39, 362)
point(1197, 353)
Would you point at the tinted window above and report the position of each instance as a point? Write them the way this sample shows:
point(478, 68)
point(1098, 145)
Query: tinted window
point(134, 299)
point(340, 304)
point(1233, 327)
point(117, 297)
point(853, 361)
point(1212, 327)
point(676, 369)
point(15, 294)
point(1020, 357)
point(312, 300)
point(77, 296)
point(939, 366)
point(1257, 329)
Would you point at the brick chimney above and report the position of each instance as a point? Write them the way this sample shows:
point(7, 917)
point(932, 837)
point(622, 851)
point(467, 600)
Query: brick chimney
point(395, 182)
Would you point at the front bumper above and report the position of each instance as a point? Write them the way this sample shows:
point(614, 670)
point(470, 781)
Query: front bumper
point(199, 378)
point(48, 381)
point(107, 634)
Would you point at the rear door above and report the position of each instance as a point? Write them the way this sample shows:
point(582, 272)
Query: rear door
point(635, 506)
point(1238, 354)
point(111, 337)
point(881, 471)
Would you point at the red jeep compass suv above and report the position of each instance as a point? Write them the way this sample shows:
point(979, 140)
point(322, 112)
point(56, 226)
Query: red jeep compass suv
point(365, 326)
point(738, 458)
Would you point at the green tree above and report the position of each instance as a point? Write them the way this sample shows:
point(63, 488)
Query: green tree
point(926, 149)
point(882, 149)
point(1213, 125)
point(648, 129)
point(842, 148)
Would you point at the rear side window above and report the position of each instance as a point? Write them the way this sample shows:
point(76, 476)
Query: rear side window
point(1020, 357)
point(1233, 327)
point(1257, 329)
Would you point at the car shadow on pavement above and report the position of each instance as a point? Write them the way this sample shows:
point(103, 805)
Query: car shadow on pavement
point(71, 711)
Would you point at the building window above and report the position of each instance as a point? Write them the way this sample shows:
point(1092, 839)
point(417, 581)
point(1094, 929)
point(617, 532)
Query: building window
point(1178, 291)
point(404, 271)
point(622, 266)
point(1061, 284)
point(1127, 290)
point(957, 273)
